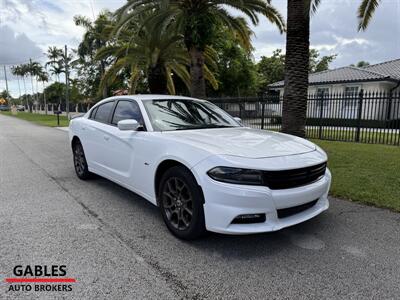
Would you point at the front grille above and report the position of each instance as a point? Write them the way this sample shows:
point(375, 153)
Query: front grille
point(277, 180)
point(290, 211)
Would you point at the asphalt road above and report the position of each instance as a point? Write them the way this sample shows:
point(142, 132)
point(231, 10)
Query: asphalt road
point(116, 245)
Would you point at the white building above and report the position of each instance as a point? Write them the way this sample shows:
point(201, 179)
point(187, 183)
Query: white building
point(339, 89)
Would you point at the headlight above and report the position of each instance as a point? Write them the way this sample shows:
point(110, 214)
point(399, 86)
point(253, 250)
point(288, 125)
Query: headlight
point(236, 175)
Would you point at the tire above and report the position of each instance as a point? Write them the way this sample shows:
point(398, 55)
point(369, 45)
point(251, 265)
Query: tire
point(80, 163)
point(181, 203)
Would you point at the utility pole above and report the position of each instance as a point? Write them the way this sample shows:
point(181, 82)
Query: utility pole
point(5, 76)
point(66, 82)
point(33, 93)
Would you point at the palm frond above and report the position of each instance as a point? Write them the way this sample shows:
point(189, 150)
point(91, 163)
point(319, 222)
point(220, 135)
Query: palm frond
point(365, 12)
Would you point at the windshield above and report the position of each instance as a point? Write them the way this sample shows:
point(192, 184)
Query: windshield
point(177, 114)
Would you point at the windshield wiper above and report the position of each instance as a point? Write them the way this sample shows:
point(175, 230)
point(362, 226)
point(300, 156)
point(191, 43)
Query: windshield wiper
point(204, 126)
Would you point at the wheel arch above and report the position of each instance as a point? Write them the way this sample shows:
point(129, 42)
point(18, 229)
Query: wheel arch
point(75, 140)
point(165, 165)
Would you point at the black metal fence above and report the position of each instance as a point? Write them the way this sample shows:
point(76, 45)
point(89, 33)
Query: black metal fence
point(367, 117)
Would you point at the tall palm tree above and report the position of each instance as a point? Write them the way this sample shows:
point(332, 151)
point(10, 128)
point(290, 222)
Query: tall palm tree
point(23, 70)
point(197, 21)
point(297, 59)
point(365, 12)
point(33, 69)
point(43, 77)
point(54, 54)
point(16, 71)
point(154, 52)
point(296, 65)
point(93, 40)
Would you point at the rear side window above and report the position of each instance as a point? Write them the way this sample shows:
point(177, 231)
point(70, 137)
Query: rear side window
point(103, 112)
point(127, 110)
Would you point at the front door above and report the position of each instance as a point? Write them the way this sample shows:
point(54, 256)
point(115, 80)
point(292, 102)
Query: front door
point(122, 144)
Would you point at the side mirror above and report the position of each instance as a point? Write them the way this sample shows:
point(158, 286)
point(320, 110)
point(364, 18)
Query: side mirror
point(129, 124)
point(237, 119)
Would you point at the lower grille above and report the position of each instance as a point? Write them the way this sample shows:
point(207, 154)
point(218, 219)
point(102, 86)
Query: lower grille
point(290, 211)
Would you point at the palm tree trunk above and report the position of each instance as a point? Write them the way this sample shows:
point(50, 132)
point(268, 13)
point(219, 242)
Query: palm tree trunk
point(30, 107)
point(296, 68)
point(26, 94)
point(157, 80)
point(133, 81)
point(102, 71)
point(198, 84)
point(19, 88)
point(44, 99)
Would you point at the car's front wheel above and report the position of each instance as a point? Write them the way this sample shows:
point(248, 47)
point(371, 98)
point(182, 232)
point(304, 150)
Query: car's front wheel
point(181, 203)
point(80, 163)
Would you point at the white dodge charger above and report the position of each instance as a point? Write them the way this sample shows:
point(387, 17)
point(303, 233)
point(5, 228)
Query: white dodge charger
point(201, 167)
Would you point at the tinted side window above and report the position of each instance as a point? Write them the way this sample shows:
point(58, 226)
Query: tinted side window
point(103, 112)
point(127, 110)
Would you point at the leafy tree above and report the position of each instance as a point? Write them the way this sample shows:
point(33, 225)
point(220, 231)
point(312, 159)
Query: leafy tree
point(235, 70)
point(271, 69)
point(361, 64)
point(197, 21)
point(5, 95)
point(317, 64)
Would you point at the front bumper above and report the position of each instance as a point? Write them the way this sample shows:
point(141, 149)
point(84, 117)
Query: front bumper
point(224, 202)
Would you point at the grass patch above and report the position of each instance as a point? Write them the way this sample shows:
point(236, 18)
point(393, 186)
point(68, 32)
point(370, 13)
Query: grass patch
point(365, 173)
point(46, 120)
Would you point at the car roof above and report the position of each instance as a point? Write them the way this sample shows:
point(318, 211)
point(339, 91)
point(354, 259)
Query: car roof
point(146, 97)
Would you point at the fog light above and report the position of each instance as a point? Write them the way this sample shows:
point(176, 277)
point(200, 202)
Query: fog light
point(249, 219)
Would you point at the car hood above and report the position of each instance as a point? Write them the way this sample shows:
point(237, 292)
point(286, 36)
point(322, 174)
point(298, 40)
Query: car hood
point(242, 141)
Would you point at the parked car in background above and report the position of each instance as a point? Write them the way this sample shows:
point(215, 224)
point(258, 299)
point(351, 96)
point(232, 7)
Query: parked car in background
point(20, 108)
point(202, 168)
point(4, 107)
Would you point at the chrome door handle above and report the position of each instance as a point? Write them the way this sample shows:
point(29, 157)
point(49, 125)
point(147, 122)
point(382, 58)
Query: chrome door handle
point(106, 137)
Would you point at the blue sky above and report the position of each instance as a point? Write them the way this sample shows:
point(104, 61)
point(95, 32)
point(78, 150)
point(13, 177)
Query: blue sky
point(28, 27)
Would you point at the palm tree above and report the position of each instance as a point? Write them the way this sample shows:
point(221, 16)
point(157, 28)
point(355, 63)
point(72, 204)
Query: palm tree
point(33, 68)
point(197, 21)
point(365, 12)
point(296, 65)
point(16, 71)
point(93, 40)
point(155, 52)
point(54, 54)
point(297, 59)
point(23, 70)
point(43, 77)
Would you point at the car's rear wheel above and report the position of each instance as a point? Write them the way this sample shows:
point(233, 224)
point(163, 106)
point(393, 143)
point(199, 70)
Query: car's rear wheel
point(181, 203)
point(80, 163)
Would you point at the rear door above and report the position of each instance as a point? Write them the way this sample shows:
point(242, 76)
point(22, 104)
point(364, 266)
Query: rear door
point(97, 137)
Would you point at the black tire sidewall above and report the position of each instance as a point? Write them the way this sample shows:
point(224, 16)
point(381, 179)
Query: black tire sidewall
point(86, 174)
point(197, 224)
